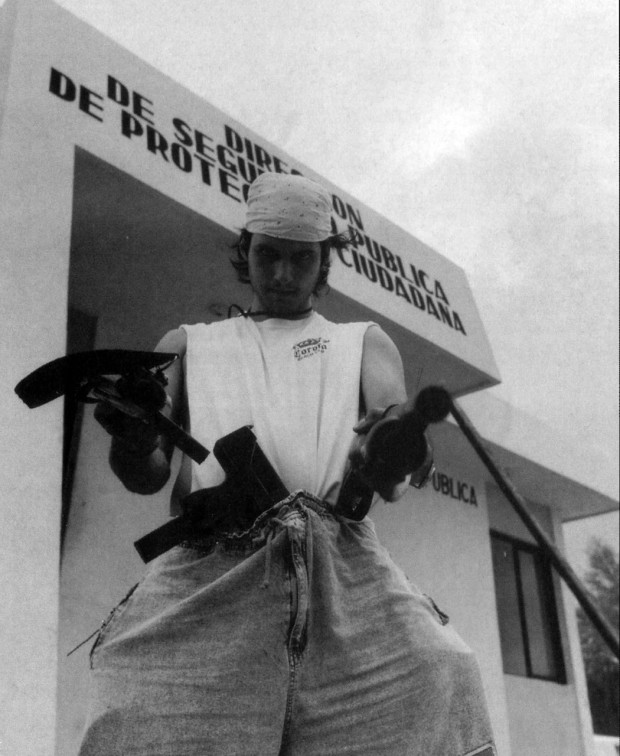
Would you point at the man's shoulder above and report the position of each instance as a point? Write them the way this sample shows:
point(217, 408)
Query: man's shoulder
point(215, 326)
point(211, 335)
point(351, 326)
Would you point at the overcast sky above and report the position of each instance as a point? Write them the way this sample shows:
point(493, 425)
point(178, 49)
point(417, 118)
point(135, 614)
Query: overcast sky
point(487, 129)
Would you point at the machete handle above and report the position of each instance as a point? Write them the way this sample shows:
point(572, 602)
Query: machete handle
point(71, 374)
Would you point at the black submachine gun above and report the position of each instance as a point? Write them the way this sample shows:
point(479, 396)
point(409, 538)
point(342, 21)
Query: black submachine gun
point(251, 487)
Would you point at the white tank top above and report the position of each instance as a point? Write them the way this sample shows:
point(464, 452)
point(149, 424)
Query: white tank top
point(296, 382)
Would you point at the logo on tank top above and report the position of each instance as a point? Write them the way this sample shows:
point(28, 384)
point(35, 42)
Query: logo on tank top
point(309, 347)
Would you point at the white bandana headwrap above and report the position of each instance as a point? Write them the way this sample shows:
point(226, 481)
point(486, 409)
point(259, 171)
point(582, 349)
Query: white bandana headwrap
point(288, 206)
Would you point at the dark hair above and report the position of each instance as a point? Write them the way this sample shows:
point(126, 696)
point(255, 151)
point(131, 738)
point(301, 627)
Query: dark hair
point(242, 248)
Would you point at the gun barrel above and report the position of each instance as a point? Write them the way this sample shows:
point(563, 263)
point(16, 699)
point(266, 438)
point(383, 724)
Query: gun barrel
point(105, 392)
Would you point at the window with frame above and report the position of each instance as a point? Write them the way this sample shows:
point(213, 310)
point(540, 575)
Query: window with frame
point(526, 608)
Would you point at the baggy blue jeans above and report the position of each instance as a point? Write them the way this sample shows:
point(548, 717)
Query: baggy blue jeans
point(299, 637)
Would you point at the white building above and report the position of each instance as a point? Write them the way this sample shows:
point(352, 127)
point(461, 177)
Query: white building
point(121, 194)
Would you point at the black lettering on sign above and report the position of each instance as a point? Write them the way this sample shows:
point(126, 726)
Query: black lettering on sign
point(123, 96)
point(454, 488)
point(229, 186)
point(182, 132)
point(387, 269)
point(62, 86)
point(233, 165)
point(89, 101)
point(181, 157)
point(242, 157)
point(156, 142)
point(226, 158)
point(188, 149)
point(130, 126)
point(118, 92)
point(205, 171)
point(140, 108)
point(248, 170)
point(347, 212)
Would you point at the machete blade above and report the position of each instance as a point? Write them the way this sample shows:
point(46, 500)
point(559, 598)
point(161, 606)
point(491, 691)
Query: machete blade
point(67, 375)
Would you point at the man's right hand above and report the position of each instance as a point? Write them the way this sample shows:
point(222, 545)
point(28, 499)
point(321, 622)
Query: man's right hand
point(130, 434)
point(134, 435)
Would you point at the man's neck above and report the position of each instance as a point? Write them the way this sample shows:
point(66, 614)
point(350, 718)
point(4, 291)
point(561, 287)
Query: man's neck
point(261, 315)
point(258, 312)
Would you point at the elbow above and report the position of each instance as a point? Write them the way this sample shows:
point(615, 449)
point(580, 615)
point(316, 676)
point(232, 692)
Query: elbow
point(395, 491)
point(145, 486)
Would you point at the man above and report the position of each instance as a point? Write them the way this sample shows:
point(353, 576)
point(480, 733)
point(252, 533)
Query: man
point(294, 634)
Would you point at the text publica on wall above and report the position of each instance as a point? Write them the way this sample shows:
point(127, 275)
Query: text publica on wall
point(229, 162)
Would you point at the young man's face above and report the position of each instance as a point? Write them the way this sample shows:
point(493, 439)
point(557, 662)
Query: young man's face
point(283, 273)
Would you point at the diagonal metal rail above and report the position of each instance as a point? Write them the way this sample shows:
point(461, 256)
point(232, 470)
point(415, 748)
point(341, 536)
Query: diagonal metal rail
point(563, 568)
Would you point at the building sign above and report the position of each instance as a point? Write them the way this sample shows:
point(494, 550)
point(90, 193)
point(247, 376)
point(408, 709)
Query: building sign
point(415, 286)
point(220, 158)
point(452, 487)
point(224, 159)
point(99, 97)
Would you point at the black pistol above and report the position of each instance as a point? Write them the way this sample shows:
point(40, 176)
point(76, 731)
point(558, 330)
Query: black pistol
point(251, 487)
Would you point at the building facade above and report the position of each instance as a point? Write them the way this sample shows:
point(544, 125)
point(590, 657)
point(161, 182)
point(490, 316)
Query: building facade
point(122, 193)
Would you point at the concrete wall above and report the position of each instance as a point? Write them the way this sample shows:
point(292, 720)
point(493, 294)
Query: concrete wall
point(33, 293)
point(546, 718)
point(606, 745)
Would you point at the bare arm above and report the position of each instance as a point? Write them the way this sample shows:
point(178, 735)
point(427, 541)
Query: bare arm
point(383, 385)
point(139, 456)
point(383, 375)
